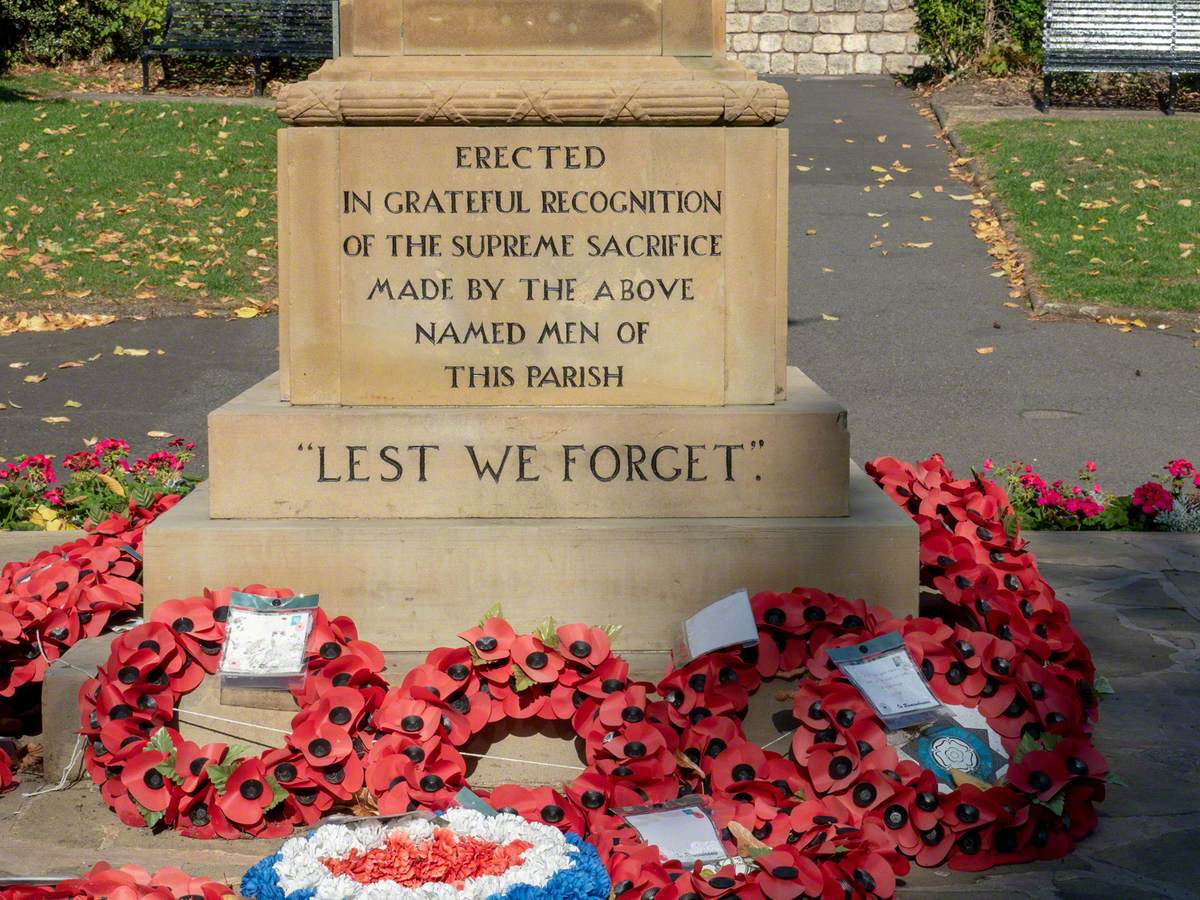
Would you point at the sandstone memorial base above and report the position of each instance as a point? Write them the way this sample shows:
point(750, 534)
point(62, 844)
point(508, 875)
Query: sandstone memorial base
point(533, 347)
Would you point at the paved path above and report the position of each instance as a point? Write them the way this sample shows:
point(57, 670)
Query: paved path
point(205, 363)
point(1134, 598)
point(901, 356)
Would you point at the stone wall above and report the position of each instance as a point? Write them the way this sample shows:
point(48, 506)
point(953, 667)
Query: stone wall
point(823, 37)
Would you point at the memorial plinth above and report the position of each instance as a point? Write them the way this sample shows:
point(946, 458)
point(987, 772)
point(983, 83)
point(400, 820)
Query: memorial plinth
point(533, 330)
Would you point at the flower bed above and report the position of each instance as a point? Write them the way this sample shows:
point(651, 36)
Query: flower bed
point(841, 811)
point(98, 482)
point(1169, 502)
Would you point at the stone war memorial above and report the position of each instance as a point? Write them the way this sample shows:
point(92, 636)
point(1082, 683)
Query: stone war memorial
point(538, 563)
point(532, 345)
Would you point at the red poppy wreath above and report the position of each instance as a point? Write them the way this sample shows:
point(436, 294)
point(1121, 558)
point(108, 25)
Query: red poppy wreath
point(150, 775)
point(843, 814)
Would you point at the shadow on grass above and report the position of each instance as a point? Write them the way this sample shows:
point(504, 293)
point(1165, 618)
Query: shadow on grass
point(10, 94)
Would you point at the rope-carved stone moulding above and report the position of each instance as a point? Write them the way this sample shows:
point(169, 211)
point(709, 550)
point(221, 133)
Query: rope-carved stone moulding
point(513, 102)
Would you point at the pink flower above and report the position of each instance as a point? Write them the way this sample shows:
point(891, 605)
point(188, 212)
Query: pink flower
point(1180, 468)
point(988, 465)
point(1090, 465)
point(1152, 498)
point(1196, 481)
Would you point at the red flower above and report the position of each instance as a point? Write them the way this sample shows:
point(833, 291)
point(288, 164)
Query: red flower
point(1042, 773)
point(402, 714)
point(192, 761)
point(583, 645)
point(537, 804)
point(1152, 498)
point(492, 640)
point(247, 793)
point(536, 660)
point(787, 874)
point(145, 782)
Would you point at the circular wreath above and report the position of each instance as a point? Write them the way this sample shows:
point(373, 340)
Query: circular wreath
point(149, 774)
point(126, 883)
point(841, 814)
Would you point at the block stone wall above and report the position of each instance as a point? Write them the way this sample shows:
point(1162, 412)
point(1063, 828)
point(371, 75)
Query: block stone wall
point(823, 37)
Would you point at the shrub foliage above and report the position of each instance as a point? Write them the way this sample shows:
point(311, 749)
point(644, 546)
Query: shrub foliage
point(994, 36)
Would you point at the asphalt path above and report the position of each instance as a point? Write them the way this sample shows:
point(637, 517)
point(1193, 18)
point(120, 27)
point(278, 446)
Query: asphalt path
point(901, 355)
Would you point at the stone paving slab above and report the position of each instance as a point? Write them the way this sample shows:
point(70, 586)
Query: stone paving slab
point(1136, 600)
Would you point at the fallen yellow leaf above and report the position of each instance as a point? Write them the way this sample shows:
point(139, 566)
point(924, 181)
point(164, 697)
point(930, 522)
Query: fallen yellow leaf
point(918, 245)
point(71, 364)
point(129, 351)
point(803, 168)
point(17, 365)
point(827, 317)
point(72, 404)
point(111, 483)
point(159, 434)
point(1185, 202)
point(35, 379)
point(984, 351)
point(55, 420)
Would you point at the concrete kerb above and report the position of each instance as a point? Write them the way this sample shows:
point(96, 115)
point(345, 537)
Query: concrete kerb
point(1041, 305)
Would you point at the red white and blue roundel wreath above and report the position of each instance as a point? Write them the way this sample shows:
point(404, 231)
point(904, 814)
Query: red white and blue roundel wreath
point(841, 814)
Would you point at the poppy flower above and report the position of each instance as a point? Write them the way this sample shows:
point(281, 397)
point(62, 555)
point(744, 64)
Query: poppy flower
point(591, 793)
point(637, 870)
point(320, 741)
point(341, 779)
point(756, 806)
point(179, 884)
point(537, 804)
point(583, 645)
point(349, 670)
point(724, 882)
point(247, 793)
point(786, 874)
point(705, 741)
point(533, 702)
point(742, 762)
point(536, 660)
point(869, 873)
point(1042, 773)
point(492, 640)
point(191, 620)
point(610, 676)
point(191, 761)
point(145, 783)
point(431, 777)
point(402, 714)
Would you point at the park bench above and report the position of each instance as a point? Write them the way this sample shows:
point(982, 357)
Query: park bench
point(260, 29)
point(1121, 36)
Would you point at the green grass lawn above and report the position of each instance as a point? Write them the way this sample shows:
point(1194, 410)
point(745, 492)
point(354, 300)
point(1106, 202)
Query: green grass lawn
point(1109, 209)
point(155, 202)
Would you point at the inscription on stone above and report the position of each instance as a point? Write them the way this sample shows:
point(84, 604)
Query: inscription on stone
point(487, 267)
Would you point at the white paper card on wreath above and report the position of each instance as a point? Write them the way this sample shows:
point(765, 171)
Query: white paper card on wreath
point(725, 623)
point(257, 644)
point(682, 829)
point(886, 676)
point(265, 640)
